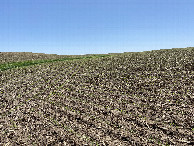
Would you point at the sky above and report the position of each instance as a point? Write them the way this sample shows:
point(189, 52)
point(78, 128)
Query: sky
point(78, 27)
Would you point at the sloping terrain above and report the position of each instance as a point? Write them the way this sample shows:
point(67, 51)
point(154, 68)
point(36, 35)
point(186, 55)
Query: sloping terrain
point(6, 57)
point(9, 57)
point(142, 98)
point(22, 59)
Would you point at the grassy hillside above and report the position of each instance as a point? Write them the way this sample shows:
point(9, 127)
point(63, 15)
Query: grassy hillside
point(139, 98)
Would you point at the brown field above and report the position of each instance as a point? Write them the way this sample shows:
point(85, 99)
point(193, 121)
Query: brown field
point(7, 57)
point(144, 98)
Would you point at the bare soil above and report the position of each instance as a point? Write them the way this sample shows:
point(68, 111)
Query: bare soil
point(127, 99)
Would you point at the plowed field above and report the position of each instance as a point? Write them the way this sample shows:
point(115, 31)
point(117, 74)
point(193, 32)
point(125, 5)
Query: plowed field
point(144, 98)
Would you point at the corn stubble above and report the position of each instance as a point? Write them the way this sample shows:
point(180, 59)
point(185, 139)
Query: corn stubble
point(143, 98)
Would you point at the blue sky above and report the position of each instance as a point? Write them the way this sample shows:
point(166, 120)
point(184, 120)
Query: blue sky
point(95, 26)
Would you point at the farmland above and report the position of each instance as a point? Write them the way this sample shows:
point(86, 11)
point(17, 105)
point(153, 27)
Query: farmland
point(132, 98)
point(6, 57)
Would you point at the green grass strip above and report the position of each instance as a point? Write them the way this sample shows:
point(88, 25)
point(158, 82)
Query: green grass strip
point(11, 65)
